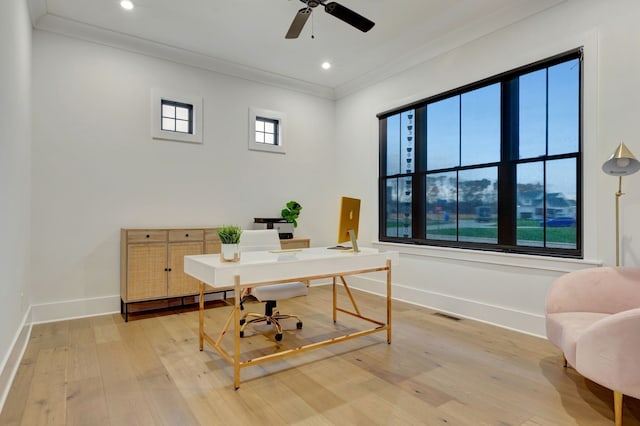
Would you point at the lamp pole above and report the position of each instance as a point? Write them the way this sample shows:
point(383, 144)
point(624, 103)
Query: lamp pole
point(618, 195)
point(621, 163)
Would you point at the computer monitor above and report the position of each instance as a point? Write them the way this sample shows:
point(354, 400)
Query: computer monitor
point(349, 219)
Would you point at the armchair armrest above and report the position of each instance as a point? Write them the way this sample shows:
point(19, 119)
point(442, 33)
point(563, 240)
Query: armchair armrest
point(608, 352)
point(605, 290)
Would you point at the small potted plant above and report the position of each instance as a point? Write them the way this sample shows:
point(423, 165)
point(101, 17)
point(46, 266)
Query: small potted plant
point(229, 239)
point(291, 212)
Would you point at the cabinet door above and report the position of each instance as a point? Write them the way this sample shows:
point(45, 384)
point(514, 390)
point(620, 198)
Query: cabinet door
point(179, 282)
point(146, 275)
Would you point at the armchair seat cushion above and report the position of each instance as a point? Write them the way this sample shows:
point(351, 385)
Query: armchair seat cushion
point(564, 328)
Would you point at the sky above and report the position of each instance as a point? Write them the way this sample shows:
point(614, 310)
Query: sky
point(474, 119)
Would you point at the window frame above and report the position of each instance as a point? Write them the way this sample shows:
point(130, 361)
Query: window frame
point(158, 97)
point(175, 119)
point(275, 133)
point(277, 118)
point(506, 167)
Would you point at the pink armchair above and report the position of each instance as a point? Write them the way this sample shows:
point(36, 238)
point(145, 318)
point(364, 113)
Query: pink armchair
point(593, 316)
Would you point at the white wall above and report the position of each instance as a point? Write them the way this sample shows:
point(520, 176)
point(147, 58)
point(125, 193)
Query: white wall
point(505, 289)
point(96, 168)
point(15, 141)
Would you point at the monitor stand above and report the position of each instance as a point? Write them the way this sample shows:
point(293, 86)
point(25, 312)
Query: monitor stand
point(354, 241)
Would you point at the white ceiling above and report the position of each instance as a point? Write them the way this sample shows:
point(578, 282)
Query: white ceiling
point(246, 37)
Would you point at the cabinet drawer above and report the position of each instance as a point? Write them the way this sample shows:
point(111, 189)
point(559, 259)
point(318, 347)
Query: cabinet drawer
point(295, 243)
point(146, 235)
point(211, 235)
point(186, 235)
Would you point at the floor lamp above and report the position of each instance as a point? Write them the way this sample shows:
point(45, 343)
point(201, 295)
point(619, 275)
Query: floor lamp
point(621, 163)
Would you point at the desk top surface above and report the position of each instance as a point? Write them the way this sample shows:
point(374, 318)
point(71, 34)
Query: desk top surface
point(268, 266)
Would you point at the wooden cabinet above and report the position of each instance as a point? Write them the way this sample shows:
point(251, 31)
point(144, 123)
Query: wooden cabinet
point(295, 243)
point(152, 263)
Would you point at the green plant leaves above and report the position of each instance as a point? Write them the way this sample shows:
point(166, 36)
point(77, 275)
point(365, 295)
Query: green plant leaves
point(291, 212)
point(229, 234)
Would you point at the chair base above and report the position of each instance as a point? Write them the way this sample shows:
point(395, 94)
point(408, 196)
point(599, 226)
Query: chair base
point(274, 319)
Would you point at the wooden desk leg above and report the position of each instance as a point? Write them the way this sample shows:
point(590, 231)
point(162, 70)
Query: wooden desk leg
point(388, 301)
point(335, 300)
point(236, 331)
point(201, 317)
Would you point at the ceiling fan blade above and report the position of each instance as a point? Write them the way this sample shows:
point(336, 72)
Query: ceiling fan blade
point(349, 16)
point(298, 22)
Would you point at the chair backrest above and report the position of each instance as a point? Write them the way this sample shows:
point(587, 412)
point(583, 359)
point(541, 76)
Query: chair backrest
point(606, 290)
point(259, 240)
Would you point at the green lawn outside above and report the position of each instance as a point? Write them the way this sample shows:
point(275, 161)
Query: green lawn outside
point(528, 230)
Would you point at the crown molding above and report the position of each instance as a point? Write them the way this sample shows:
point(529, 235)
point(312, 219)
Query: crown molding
point(45, 21)
point(446, 43)
point(70, 28)
point(37, 9)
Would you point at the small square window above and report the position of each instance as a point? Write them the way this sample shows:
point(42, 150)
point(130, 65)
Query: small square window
point(176, 117)
point(266, 129)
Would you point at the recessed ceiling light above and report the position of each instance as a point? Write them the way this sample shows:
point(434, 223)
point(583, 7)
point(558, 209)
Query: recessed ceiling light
point(126, 4)
point(326, 65)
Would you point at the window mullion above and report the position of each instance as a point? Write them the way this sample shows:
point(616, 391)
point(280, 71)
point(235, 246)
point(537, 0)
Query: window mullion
point(507, 208)
point(419, 200)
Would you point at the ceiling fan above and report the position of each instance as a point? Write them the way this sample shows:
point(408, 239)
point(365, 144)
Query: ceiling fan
point(332, 8)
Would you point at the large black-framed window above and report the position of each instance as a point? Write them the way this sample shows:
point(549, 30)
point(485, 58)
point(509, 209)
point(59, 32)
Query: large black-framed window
point(494, 165)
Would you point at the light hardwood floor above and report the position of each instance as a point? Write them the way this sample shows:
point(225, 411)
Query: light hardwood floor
point(438, 370)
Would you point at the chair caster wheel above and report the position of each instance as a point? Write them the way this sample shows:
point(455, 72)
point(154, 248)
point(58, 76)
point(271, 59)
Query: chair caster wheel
point(242, 321)
point(242, 334)
point(278, 336)
point(269, 322)
point(299, 325)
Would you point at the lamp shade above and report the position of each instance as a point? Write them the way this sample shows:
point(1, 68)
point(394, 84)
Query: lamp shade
point(621, 163)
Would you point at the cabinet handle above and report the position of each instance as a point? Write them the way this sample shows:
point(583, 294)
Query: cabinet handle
point(167, 269)
point(148, 235)
point(186, 235)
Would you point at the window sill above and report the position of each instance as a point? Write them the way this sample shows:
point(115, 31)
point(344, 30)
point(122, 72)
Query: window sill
point(555, 264)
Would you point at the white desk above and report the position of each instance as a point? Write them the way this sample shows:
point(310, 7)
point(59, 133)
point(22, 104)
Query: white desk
point(263, 268)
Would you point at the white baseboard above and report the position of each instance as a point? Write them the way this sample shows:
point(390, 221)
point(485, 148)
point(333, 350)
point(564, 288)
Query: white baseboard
point(82, 308)
point(10, 364)
point(523, 322)
point(77, 308)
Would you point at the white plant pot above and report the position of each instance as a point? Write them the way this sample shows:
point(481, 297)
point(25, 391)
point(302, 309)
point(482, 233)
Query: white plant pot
point(230, 252)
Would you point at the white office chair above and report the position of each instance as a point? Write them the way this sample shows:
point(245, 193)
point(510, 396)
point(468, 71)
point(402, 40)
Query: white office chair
point(258, 240)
